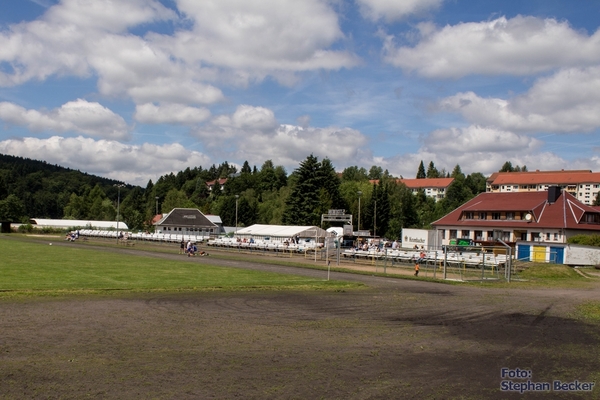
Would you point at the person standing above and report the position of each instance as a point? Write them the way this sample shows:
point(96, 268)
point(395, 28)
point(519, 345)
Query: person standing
point(182, 247)
point(417, 269)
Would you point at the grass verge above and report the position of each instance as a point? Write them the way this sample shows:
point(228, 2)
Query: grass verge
point(34, 268)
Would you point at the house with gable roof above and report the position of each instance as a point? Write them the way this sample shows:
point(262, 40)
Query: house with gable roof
point(537, 224)
point(187, 221)
point(551, 216)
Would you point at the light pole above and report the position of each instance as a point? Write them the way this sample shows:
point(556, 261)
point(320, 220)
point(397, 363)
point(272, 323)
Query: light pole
point(237, 196)
point(119, 186)
point(359, 194)
point(375, 221)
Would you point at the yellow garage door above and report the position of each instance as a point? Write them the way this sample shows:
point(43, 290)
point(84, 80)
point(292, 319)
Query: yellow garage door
point(539, 253)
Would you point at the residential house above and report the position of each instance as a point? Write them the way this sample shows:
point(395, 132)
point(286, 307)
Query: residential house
point(583, 184)
point(550, 216)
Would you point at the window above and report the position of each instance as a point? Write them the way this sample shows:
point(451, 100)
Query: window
point(478, 235)
point(466, 234)
point(469, 215)
point(547, 236)
point(490, 235)
point(452, 233)
point(510, 215)
point(495, 215)
point(535, 236)
point(482, 215)
point(556, 236)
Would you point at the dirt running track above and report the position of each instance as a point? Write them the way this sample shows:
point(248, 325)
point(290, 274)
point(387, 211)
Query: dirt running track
point(397, 339)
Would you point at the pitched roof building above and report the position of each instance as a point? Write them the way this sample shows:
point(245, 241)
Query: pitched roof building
point(187, 221)
point(583, 184)
point(548, 216)
point(216, 184)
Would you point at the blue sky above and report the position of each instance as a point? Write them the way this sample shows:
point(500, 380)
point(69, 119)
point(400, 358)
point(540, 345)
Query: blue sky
point(134, 89)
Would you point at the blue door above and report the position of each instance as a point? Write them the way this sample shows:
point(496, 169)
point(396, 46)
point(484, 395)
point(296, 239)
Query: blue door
point(557, 255)
point(523, 252)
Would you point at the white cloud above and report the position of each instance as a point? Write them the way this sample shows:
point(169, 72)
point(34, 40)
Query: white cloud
point(518, 46)
point(477, 139)
point(233, 41)
point(565, 102)
point(259, 36)
point(68, 36)
point(258, 118)
point(131, 164)
point(108, 15)
point(170, 113)
point(78, 116)
point(253, 134)
point(392, 10)
point(475, 149)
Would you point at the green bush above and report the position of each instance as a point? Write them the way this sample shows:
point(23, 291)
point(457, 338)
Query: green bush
point(587, 240)
point(25, 228)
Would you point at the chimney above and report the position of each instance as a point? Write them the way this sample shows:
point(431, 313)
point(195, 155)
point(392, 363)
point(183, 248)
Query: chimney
point(553, 194)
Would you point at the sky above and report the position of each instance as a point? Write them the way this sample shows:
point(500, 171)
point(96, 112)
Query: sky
point(136, 89)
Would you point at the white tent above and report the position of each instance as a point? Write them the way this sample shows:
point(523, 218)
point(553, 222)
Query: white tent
point(68, 223)
point(277, 232)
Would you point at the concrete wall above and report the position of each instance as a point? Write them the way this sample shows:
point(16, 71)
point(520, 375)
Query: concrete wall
point(578, 255)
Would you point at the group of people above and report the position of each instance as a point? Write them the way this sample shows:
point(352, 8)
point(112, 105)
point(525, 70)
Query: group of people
point(191, 249)
point(72, 236)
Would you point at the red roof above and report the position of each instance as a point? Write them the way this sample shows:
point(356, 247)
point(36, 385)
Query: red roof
point(567, 212)
point(427, 183)
point(544, 177)
point(220, 181)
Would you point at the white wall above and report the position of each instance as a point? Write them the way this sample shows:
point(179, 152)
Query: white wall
point(420, 237)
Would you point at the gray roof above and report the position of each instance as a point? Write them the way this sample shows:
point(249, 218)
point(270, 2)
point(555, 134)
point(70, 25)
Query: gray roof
point(186, 217)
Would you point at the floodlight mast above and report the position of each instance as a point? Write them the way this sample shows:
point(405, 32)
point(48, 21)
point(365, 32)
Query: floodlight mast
point(237, 196)
point(119, 186)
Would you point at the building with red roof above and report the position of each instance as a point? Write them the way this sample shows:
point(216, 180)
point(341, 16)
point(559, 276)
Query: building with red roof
point(583, 184)
point(216, 184)
point(550, 216)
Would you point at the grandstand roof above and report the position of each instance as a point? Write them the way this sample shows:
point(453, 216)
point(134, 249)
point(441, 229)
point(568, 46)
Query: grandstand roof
point(69, 223)
point(282, 231)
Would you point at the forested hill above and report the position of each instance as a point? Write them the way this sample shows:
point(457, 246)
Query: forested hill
point(266, 195)
point(43, 189)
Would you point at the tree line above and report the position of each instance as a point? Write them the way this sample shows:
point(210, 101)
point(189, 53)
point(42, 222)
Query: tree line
point(267, 195)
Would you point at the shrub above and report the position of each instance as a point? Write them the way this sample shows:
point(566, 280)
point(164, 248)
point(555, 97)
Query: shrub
point(587, 240)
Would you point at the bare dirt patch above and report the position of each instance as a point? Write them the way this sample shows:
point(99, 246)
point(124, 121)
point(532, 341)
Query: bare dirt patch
point(396, 339)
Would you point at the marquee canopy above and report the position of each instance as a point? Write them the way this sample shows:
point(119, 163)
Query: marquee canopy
point(283, 231)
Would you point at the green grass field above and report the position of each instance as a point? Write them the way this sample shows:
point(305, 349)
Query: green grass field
point(35, 268)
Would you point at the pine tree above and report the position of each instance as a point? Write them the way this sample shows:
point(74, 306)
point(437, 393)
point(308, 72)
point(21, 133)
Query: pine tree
point(432, 171)
point(421, 172)
point(315, 190)
point(303, 202)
